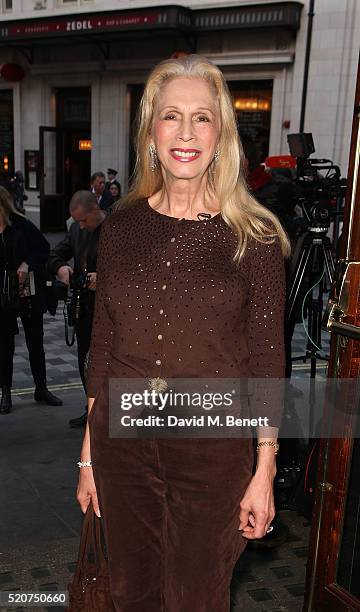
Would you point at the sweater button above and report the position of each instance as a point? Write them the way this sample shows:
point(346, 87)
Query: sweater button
point(158, 362)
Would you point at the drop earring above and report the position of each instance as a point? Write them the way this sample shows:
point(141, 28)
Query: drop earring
point(153, 158)
point(216, 156)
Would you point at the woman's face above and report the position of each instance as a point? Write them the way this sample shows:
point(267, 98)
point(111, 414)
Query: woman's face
point(186, 127)
point(114, 190)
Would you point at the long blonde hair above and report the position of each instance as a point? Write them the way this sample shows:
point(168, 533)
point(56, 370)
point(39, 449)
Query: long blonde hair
point(226, 177)
point(7, 208)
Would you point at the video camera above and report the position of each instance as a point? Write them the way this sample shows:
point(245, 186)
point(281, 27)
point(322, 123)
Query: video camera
point(72, 298)
point(319, 188)
point(78, 283)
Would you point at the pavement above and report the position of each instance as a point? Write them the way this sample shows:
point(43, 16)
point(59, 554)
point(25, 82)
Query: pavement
point(41, 520)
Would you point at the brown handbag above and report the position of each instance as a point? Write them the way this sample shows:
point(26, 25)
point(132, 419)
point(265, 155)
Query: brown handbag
point(90, 588)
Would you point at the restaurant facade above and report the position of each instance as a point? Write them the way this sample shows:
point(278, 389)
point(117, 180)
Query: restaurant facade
point(72, 75)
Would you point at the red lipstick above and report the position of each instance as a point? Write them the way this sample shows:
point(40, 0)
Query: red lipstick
point(185, 155)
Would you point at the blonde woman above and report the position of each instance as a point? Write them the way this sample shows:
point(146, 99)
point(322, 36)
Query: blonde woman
point(195, 289)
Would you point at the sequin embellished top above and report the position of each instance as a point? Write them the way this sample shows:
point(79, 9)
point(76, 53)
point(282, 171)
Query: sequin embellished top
point(170, 301)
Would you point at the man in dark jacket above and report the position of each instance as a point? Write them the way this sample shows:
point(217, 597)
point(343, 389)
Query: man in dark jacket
point(103, 195)
point(80, 244)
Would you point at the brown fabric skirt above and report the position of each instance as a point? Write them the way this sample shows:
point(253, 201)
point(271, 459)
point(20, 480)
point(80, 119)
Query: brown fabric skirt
point(170, 511)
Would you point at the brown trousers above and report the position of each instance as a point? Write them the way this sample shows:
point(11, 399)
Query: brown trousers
point(170, 511)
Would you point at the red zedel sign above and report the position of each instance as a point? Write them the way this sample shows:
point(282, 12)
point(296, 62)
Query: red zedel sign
point(34, 28)
point(171, 18)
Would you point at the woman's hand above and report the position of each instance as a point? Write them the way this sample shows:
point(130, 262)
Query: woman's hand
point(63, 274)
point(86, 491)
point(257, 508)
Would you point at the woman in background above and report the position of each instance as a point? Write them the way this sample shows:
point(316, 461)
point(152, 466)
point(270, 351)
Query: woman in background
point(23, 255)
point(115, 191)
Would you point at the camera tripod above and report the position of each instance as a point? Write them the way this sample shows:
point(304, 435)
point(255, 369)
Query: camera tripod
point(314, 259)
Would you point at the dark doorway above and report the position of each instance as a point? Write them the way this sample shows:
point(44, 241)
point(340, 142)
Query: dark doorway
point(65, 156)
point(73, 113)
point(53, 203)
point(6, 137)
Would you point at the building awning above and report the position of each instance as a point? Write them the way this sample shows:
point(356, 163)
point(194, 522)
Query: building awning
point(105, 26)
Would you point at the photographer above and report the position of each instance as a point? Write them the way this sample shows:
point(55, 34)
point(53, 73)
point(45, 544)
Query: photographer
point(80, 244)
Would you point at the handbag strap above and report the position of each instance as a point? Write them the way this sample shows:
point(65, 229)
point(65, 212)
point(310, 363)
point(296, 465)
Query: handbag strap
point(84, 545)
point(101, 561)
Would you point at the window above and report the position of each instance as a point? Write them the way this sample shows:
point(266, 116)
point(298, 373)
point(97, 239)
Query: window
point(6, 134)
point(39, 5)
point(252, 103)
point(7, 6)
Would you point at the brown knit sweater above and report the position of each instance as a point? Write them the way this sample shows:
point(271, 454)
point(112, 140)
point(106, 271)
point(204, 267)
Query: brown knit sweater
point(170, 302)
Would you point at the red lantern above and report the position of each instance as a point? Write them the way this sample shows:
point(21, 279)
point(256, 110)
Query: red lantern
point(12, 72)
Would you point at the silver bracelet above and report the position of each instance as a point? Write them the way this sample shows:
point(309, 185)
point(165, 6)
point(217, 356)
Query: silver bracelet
point(82, 464)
